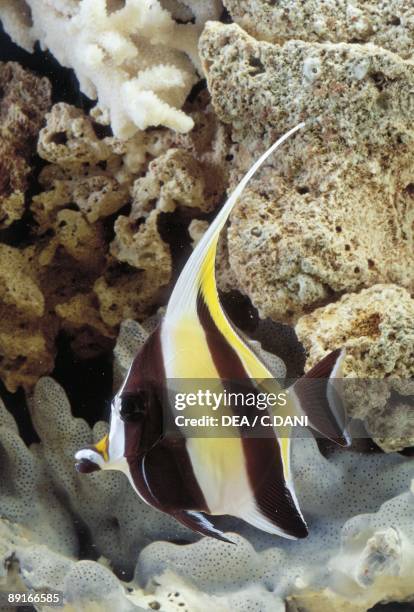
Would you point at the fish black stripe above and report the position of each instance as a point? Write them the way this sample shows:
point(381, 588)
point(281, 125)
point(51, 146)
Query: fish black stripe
point(262, 454)
point(161, 469)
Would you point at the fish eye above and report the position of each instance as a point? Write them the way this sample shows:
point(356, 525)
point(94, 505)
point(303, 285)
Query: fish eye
point(133, 407)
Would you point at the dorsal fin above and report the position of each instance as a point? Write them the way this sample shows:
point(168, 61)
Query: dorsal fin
point(198, 273)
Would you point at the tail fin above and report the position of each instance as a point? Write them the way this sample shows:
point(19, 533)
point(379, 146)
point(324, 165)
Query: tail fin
point(316, 395)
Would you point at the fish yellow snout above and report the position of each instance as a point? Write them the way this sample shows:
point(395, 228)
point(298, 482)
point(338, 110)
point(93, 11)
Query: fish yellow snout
point(92, 458)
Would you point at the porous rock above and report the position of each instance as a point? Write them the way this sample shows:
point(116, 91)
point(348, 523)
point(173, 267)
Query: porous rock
point(24, 101)
point(360, 94)
point(26, 332)
point(386, 24)
point(332, 211)
point(375, 327)
point(299, 241)
point(90, 269)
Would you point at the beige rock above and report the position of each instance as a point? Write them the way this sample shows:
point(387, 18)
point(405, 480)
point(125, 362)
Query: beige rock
point(349, 93)
point(143, 248)
point(81, 240)
point(24, 101)
point(80, 311)
point(81, 319)
point(387, 24)
point(78, 277)
point(225, 275)
point(174, 178)
point(69, 137)
point(18, 283)
point(26, 349)
point(333, 210)
point(196, 230)
point(87, 168)
point(26, 331)
point(296, 243)
point(124, 293)
point(376, 328)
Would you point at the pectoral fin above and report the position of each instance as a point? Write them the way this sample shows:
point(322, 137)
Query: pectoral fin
point(164, 477)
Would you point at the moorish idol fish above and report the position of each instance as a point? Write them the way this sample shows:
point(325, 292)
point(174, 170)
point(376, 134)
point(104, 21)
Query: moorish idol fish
point(195, 479)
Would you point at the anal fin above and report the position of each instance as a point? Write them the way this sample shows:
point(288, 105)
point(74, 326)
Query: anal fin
point(255, 517)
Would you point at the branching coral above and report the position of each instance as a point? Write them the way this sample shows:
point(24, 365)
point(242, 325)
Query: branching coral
point(23, 477)
point(119, 523)
point(24, 101)
point(133, 56)
point(84, 585)
point(358, 560)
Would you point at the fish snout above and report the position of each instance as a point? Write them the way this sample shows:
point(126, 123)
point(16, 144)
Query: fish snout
point(92, 458)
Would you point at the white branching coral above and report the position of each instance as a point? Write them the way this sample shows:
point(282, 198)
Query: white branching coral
point(133, 56)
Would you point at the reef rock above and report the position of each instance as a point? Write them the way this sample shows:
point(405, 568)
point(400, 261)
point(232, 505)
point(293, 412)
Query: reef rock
point(356, 93)
point(296, 242)
point(321, 217)
point(376, 328)
point(26, 329)
point(133, 56)
point(91, 267)
point(24, 101)
point(386, 24)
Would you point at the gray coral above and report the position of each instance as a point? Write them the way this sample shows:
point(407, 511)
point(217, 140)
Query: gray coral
point(358, 509)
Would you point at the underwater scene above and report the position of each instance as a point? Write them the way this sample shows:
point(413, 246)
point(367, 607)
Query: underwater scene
point(207, 305)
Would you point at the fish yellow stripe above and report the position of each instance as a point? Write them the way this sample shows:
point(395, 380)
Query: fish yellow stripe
point(208, 289)
point(254, 368)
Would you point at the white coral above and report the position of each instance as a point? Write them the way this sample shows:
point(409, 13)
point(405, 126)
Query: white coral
point(133, 56)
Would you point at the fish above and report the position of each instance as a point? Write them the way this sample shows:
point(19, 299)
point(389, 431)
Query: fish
point(196, 479)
